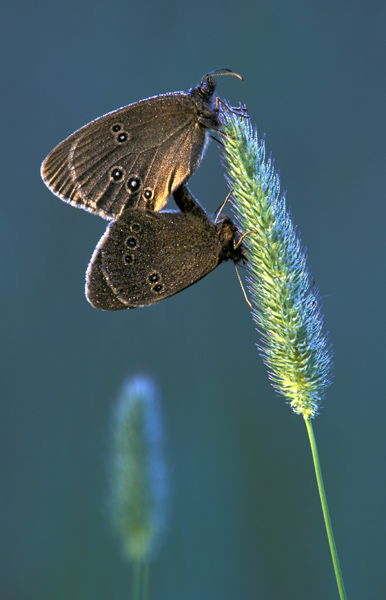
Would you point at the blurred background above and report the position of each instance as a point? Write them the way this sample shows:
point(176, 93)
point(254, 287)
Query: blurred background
point(244, 517)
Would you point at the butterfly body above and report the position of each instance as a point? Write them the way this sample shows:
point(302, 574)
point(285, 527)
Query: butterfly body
point(145, 257)
point(136, 156)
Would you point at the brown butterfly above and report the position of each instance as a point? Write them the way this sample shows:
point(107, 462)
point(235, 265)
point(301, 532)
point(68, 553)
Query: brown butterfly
point(136, 156)
point(146, 256)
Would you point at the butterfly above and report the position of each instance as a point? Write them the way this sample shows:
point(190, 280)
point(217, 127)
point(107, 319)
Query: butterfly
point(146, 256)
point(138, 155)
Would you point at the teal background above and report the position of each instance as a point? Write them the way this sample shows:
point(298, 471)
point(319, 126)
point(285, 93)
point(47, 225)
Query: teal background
point(244, 516)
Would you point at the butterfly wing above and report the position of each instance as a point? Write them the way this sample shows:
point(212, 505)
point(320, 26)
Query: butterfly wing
point(145, 257)
point(98, 292)
point(134, 157)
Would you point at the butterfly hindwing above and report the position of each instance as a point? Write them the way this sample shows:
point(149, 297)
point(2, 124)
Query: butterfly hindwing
point(145, 257)
point(98, 292)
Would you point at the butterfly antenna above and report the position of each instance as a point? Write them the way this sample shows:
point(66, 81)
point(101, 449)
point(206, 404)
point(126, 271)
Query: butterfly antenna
point(218, 73)
point(243, 236)
point(243, 289)
point(221, 208)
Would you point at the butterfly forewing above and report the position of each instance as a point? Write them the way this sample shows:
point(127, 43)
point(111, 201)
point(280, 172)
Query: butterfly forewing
point(134, 157)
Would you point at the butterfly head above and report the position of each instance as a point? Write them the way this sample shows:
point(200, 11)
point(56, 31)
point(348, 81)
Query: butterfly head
point(229, 236)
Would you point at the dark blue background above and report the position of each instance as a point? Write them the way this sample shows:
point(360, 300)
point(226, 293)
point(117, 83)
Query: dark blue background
point(245, 520)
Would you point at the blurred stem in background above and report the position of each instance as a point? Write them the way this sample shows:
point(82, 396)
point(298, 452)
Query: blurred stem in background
point(285, 301)
point(138, 476)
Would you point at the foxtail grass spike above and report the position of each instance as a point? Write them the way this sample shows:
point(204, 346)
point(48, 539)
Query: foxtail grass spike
point(286, 302)
point(138, 477)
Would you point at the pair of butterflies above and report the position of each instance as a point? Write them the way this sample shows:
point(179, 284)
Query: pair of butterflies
point(124, 166)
